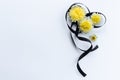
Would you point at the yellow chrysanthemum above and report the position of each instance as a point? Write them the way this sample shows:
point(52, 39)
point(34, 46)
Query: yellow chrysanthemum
point(85, 25)
point(96, 18)
point(76, 13)
point(93, 37)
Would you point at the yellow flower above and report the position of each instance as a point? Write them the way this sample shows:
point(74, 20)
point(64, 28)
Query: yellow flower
point(96, 18)
point(85, 25)
point(77, 13)
point(93, 37)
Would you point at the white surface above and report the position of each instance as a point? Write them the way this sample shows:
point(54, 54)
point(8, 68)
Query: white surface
point(35, 42)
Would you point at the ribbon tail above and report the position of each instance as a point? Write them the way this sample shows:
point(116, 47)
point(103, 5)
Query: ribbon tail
point(82, 56)
point(80, 70)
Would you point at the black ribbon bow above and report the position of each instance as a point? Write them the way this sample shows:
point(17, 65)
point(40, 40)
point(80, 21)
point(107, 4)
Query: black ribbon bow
point(76, 32)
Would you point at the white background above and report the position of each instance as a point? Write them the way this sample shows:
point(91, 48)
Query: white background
point(35, 42)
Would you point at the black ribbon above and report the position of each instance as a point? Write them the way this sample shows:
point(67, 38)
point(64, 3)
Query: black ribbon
point(76, 32)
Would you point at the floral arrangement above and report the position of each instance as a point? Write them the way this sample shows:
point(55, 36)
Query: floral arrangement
point(83, 21)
